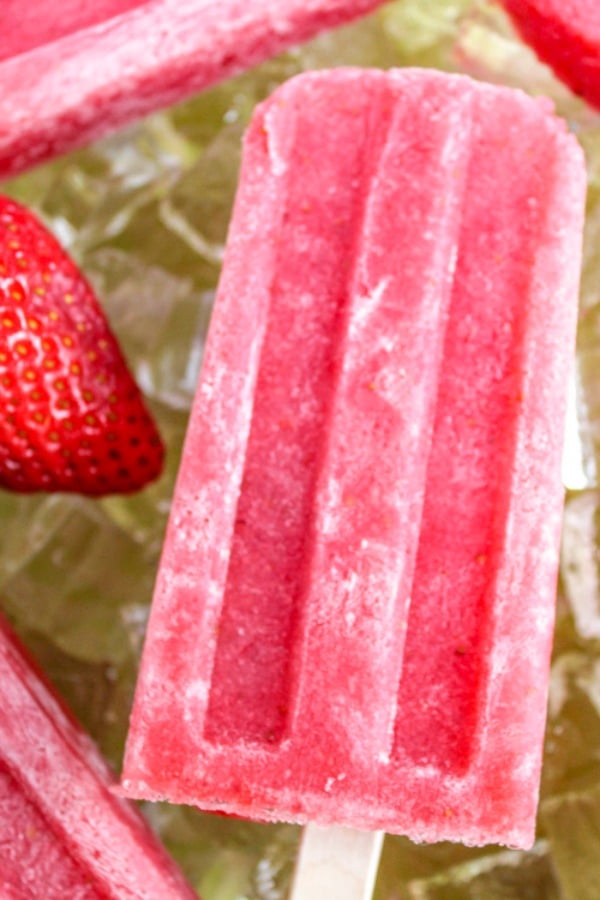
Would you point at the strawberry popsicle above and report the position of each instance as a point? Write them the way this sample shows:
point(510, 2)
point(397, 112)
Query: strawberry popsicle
point(353, 614)
point(63, 832)
point(69, 78)
point(566, 35)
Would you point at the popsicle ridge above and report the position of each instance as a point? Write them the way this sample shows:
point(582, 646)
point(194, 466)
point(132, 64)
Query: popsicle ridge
point(413, 289)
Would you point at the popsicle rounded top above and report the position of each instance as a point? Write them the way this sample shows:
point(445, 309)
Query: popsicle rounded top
point(566, 35)
point(364, 535)
point(69, 78)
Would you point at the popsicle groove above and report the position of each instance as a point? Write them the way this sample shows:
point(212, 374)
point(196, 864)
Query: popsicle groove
point(481, 405)
point(266, 579)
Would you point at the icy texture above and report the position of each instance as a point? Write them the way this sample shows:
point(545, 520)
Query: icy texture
point(70, 79)
point(123, 210)
point(501, 876)
point(64, 831)
point(572, 822)
point(284, 511)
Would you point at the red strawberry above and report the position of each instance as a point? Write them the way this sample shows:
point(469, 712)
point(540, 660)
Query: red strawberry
point(71, 416)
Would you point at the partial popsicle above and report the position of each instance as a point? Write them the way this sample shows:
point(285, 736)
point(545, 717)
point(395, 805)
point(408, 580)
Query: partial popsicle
point(63, 832)
point(566, 35)
point(353, 614)
point(69, 78)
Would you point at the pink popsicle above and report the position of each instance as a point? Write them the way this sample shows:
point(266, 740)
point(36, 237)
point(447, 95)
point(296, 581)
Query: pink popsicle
point(353, 615)
point(566, 35)
point(70, 76)
point(63, 832)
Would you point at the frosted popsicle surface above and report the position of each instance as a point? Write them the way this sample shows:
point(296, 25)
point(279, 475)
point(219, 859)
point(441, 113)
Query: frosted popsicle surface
point(364, 534)
point(71, 78)
point(63, 832)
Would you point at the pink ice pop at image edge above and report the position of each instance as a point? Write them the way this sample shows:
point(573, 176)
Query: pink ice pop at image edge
point(566, 35)
point(63, 832)
point(70, 78)
point(353, 615)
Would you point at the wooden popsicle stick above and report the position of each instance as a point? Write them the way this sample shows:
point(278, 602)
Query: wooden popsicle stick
point(336, 864)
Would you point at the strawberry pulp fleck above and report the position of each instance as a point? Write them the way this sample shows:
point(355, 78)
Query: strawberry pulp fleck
point(71, 416)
